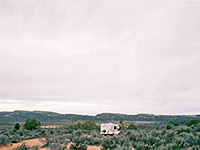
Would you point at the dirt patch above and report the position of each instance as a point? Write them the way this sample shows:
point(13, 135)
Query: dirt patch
point(34, 142)
point(94, 148)
point(89, 147)
point(30, 143)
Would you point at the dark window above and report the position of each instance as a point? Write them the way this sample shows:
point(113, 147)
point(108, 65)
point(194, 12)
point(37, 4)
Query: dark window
point(115, 127)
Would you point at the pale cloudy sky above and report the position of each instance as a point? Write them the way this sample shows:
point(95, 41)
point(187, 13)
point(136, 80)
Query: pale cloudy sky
point(93, 56)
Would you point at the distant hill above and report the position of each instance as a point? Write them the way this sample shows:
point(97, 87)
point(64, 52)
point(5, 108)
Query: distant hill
point(43, 116)
point(52, 117)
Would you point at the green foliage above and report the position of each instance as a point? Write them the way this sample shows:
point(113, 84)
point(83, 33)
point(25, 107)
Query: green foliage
point(192, 122)
point(78, 144)
point(118, 143)
point(78, 147)
point(36, 147)
point(109, 144)
point(148, 137)
point(57, 146)
point(16, 138)
point(78, 133)
point(17, 126)
point(155, 137)
point(132, 127)
point(121, 122)
point(32, 124)
point(176, 124)
point(4, 140)
point(87, 125)
point(168, 127)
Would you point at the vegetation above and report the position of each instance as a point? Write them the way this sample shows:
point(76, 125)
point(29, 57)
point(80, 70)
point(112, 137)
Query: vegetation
point(176, 124)
point(32, 124)
point(52, 117)
point(132, 127)
point(78, 146)
point(154, 136)
point(87, 125)
point(4, 139)
point(17, 126)
point(192, 122)
point(168, 127)
point(23, 146)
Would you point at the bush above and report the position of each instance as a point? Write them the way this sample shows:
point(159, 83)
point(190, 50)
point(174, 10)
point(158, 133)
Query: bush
point(132, 127)
point(35, 147)
point(176, 124)
point(87, 125)
point(4, 140)
point(17, 126)
point(192, 122)
point(32, 124)
point(109, 144)
point(57, 146)
point(16, 138)
point(23, 147)
point(78, 146)
point(168, 127)
point(79, 133)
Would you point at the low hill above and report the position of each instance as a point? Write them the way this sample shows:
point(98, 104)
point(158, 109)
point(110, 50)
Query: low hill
point(52, 117)
point(43, 116)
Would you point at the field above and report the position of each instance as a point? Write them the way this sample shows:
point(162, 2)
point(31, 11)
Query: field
point(82, 136)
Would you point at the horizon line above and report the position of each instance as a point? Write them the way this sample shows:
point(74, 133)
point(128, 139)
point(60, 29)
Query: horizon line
point(116, 113)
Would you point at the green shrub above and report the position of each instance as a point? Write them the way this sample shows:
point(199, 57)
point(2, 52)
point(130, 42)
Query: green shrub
point(16, 138)
point(176, 124)
point(192, 122)
point(23, 146)
point(87, 125)
point(17, 126)
point(168, 127)
point(32, 124)
point(132, 127)
point(4, 140)
point(78, 133)
point(57, 146)
point(35, 147)
point(78, 146)
point(109, 144)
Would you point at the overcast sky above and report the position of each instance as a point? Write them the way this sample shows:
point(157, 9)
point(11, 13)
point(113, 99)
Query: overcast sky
point(94, 56)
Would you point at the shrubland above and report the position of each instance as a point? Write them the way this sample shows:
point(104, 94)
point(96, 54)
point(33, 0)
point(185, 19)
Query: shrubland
point(154, 136)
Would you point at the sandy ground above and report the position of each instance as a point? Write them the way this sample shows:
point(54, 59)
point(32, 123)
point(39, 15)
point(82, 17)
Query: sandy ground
point(34, 142)
point(30, 143)
point(94, 148)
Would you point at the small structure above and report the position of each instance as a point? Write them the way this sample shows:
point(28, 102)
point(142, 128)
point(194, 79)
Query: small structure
point(109, 129)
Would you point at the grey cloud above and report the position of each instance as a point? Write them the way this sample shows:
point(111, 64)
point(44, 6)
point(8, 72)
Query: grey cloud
point(141, 55)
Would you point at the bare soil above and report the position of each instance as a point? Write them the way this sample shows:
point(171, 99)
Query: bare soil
point(34, 142)
point(29, 143)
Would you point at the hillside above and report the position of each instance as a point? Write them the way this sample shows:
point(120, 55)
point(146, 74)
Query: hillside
point(52, 117)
